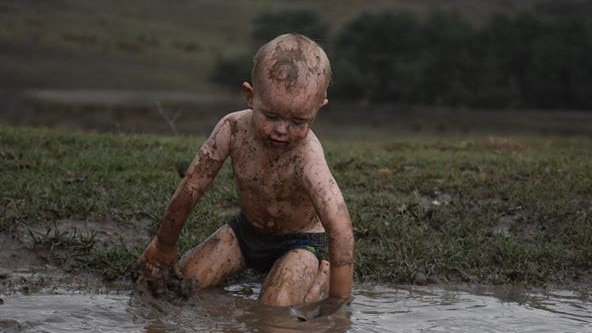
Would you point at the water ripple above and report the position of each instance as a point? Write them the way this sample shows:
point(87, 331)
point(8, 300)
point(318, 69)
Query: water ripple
point(235, 309)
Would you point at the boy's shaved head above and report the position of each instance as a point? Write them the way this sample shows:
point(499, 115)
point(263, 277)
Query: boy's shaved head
point(291, 63)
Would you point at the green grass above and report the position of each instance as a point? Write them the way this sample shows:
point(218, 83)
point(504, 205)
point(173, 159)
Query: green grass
point(443, 209)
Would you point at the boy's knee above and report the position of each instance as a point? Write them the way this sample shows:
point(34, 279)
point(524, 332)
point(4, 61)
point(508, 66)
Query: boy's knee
point(201, 277)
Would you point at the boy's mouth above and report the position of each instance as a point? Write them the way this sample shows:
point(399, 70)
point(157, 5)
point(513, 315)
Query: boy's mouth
point(278, 143)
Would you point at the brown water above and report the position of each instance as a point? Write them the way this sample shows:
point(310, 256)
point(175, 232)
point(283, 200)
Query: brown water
point(235, 309)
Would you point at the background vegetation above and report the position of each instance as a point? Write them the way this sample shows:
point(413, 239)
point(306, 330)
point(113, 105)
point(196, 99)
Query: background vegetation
point(526, 54)
point(530, 59)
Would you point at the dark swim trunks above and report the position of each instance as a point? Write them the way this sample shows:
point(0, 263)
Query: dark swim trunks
point(261, 248)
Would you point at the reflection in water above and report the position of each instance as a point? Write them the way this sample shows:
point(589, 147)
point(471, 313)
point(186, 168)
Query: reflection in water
point(438, 310)
point(235, 309)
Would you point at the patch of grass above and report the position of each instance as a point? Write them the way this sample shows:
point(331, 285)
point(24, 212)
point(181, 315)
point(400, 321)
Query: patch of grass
point(63, 247)
point(481, 210)
point(72, 240)
point(469, 210)
point(113, 263)
point(50, 176)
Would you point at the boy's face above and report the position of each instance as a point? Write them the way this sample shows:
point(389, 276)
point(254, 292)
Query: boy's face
point(281, 118)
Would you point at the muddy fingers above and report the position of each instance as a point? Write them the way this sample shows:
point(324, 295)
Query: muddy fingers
point(163, 282)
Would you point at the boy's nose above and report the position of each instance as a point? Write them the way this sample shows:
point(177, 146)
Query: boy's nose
point(281, 127)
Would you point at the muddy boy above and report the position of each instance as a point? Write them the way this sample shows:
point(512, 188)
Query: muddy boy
point(291, 208)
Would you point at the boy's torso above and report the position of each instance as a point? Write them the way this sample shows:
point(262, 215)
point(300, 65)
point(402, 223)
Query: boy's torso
point(270, 184)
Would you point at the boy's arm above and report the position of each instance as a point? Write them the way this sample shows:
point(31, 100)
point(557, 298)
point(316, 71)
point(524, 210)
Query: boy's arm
point(332, 210)
point(199, 176)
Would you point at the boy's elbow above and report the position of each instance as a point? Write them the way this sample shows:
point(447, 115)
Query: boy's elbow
point(348, 236)
point(343, 243)
point(349, 244)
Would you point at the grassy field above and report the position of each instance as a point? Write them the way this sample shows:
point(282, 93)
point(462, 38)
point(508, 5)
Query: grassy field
point(443, 210)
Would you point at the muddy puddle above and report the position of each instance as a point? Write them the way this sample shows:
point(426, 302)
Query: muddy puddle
point(235, 309)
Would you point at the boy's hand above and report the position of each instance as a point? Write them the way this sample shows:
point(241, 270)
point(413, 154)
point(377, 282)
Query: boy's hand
point(157, 272)
point(155, 258)
point(318, 309)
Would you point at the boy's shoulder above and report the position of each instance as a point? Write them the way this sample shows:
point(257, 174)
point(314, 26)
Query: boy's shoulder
point(312, 143)
point(230, 122)
point(236, 121)
point(311, 150)
point(239, 117)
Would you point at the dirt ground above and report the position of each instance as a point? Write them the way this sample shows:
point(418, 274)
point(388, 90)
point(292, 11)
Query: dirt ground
point(27, 267)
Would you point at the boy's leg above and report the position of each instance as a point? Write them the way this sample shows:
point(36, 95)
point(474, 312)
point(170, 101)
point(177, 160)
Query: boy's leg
point(215, 259)
point(291, 279)
point(320, 286)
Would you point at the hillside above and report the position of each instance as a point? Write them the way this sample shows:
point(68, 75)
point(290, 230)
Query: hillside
point(157, 44)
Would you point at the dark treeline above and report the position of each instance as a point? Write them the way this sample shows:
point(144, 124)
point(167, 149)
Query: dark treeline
point(536, 59)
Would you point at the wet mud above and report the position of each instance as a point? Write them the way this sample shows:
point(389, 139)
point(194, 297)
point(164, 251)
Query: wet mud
point(33, 259)
point(169, 284)
point(29, 264)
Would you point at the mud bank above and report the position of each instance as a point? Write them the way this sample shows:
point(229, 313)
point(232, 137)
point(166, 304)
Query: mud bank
point(40, 260)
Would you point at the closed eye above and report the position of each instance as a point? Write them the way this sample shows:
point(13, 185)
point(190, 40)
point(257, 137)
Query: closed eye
point(298, 122)
point(271, 116)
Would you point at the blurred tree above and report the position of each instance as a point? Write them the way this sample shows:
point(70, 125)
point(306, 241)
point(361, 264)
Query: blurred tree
point(562, 71)
point(377, 58)
point(450, 67)
point(537, 59)
point(303, 21)
point(506, 56)
point(561, 75)
point(231, 72)
point(553, 8)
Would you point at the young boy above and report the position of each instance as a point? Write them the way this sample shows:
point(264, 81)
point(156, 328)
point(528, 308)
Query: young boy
point(291, 206)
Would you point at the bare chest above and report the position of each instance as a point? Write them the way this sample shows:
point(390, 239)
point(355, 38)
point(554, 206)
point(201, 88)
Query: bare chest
point(270, 179)
point(270, 188)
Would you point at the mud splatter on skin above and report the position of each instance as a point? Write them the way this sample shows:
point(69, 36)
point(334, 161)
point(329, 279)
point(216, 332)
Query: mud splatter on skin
point(212, 261)
point(290, 279)
point(292, 63)
point(206, 169)
point(269, 183)
point(285, 67)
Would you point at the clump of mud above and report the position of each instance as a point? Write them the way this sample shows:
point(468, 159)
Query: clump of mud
point(166, 284)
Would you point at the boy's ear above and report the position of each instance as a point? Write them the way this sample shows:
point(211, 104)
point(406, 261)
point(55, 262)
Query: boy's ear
point(249, 94)
point(325, 102)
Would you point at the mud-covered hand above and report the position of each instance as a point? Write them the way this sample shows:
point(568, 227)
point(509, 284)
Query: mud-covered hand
point(155, 259)
point(318, 309)
point(157, 272)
